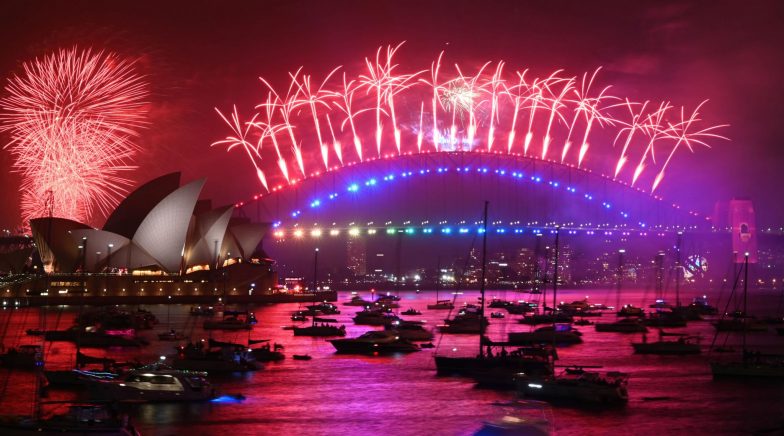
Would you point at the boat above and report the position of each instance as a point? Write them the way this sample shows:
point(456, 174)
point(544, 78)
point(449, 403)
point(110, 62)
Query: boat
point(543, 318)
point(321, 327)
point(267, 352)
point(153, 383)
point(700, 306)
point(493, 366)
point(468, 320)
point(627, 325)
point(576, 386)
point(441, 305)
point(583, 321)
point(374, 342)
point(411, 312)
point(301, 357)
point(202, 311)
point(356, 300)
point(739, 323)
point(102, 367)
point(629, 310)
point(410, 330)
point(299, 315)
point(375, 317)
point(520, 417)
point(171, 335)
point(752, 363)
point(664, 318)
point(231, 321)
point(323, 308)
point(91, 337)
point(561, 334)
point(496, 303)
point(497, 315)
point(520, 308)
point(79, 419)
point(684, 344)
point(23, 357)
point(201, 357)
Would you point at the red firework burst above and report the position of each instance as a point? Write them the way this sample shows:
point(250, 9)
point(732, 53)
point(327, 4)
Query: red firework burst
point(72, 117)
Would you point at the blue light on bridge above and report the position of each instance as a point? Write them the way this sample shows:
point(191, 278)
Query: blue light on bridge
point(500, 230)
point(370, 182)
point(463, 230)
point(315, 203)
point(480, 230)
point(427, 230)
point(446, 230)
point(353, 187)
point(410, 231)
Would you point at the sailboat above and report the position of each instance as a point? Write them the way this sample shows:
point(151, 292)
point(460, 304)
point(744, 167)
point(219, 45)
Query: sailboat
point(575, 384)
point(321, 327)
point(684, 344)
point(440, 304)
point(751, 364)
point(499, 368)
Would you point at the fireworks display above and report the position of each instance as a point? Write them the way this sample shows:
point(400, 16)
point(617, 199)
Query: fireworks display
point(382, 112)
point(72, 117)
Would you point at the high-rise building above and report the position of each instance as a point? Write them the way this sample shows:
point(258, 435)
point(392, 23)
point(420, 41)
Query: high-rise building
point(356, 255)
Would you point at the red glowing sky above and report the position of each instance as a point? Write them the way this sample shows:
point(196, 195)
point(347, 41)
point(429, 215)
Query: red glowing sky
point(199, 55)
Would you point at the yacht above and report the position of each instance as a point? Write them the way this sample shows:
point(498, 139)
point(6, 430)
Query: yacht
point(576, 386)
point(153, 384)
point(231, 321)
point(374, 317)
point(411, 312)
point(356, 300)
point(562, 334)
point(631, 311)
point(467, 320)
point(323, 308)
point(441, 305)
point(662, 318)
point(410, 330)
point(683, 345)
point(627, 325)
point(321, 327)
point(201, 357)
point(374, 342)
point(534, 319)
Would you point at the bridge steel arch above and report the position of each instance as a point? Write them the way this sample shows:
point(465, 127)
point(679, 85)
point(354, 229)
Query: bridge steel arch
point(609, 204)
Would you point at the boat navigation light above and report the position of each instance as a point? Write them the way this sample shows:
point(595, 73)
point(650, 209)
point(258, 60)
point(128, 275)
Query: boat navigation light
point(534, 385)
point(163, 358)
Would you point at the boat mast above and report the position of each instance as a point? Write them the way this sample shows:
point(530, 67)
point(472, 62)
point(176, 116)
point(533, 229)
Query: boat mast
point(315, 284)
point(678, 270)
point(482, 284)
point(745, 295)
point(438, 276)
point(555, 282)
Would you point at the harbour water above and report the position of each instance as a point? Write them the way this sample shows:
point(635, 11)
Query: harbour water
point(401, 395)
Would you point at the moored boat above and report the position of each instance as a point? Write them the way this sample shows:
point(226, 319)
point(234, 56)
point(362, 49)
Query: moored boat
point(374, 342)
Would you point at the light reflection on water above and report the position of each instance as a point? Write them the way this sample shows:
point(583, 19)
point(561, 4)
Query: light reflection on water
point(400, 395)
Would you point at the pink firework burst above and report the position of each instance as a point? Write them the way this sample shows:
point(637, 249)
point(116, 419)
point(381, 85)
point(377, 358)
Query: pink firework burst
point(72, 117)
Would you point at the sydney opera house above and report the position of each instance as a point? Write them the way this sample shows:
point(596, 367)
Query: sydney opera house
point(161, 242)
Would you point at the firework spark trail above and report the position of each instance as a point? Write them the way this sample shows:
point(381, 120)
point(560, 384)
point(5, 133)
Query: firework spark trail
point(537, 99)
point(556, 104)
point(464, 108)
point(335, 143)
point(270, 129)
point(346, 106)
point(517, 98)
point(312, 100)
point(72, 117)
point(653, 127)
point(240, 138)
point(420, 133)
point(632, 126)
point(681, 132)
point(494, 84)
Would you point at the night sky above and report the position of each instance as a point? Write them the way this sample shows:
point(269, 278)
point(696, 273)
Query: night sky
point(200, 55)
